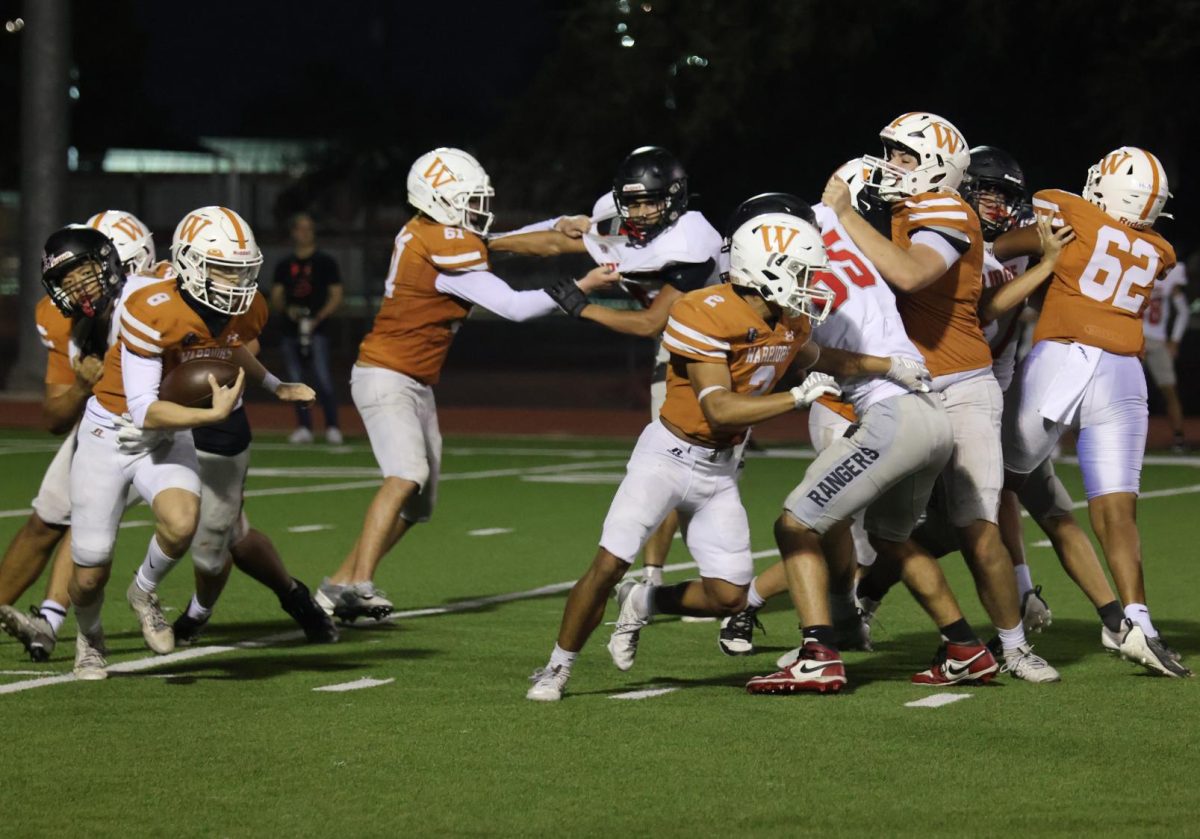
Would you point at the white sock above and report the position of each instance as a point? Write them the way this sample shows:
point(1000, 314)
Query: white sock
point(1139, 614)
point(562, 658)
point(54, 613)
point(1024, 579)
point(87, 618)
point(652, 574)
point(753, 599)
point(197, 612)
point(645, 603)
point(1010, 639)
point(154, 567)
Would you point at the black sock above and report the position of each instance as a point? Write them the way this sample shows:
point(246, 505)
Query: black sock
point(960, 632)
point(1112, 616)
point(823, 635)
point(873, 586)
point(668, 599)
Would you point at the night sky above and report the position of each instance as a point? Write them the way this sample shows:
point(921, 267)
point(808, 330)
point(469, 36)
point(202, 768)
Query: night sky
point(548, 98)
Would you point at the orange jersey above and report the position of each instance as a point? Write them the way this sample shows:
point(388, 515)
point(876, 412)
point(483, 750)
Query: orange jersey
point(1101, 282)
point(417, 322)
point(715, 325)
point(843, 409)
point(156, 322)
point(54, 328)
point(942, 319)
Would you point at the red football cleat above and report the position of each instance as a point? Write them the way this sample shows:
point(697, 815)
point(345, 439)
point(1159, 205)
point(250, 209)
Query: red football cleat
point(819, 669)
point(955, 663)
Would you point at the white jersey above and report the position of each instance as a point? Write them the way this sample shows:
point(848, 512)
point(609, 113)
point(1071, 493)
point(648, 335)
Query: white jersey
point(690, 240)
point(863, 317)
point(1001, 333)
point(1163, 296)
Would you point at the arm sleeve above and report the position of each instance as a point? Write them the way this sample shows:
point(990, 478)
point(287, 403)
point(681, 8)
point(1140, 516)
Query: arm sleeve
point(1183, 314)
point(485, 289)
point(689, 276)
point(536, 227)
point(141, 377)
point(946, 247)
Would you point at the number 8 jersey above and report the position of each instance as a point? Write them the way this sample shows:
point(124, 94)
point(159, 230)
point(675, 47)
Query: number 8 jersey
point(1102, 280)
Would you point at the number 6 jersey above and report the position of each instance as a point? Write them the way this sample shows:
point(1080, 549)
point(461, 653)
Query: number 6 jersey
point(1102, 280)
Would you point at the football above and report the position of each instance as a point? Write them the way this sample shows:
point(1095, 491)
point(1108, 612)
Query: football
point(188, 383)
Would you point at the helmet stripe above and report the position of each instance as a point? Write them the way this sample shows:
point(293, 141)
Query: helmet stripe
point(237, 225)
point(1154, 167)
point(94, 221)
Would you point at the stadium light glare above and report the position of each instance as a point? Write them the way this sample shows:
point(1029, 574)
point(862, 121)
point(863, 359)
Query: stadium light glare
point(627, 41)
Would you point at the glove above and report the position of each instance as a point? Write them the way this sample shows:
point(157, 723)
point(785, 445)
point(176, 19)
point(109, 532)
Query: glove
point(568, 297)
point(813, 388)
point(910, 374)
point(132, 440)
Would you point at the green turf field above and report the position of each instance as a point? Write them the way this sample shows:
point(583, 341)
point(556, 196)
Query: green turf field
point(232, 737)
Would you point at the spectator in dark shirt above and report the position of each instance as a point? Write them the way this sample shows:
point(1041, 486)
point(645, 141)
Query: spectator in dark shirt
point(307, 290)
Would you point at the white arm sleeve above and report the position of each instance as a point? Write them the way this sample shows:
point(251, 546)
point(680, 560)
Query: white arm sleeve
point(938, 243)
point(141, 377)
point(1183, 313)
point(536, 227)
point(489, 291)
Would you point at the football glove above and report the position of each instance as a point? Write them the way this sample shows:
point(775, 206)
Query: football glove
point(132, 440)
point(910, 374)
point(813, 388)
point(568, 297)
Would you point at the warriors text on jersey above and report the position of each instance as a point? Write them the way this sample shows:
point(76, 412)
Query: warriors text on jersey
point(942, 319)
point(156, 322)
point(715, 325)
point(1102, 279)
point(416, 321)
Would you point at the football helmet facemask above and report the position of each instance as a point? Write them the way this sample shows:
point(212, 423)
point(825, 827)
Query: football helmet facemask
point(450, 187)
point(938, 146)
point(651, 193)
point(995, 178)
point(1130, 185)
point(217, 258)
point(134, 241)
point(779, 255)
point(81, 271)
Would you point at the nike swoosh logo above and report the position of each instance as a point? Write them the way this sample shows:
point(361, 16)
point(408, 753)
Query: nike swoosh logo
point(814, 667)
point(955, 672)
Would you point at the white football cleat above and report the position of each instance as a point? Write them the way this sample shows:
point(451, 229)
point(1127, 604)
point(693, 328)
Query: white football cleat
point(1024, 664)
point(1035, 613)
point(1151, 653)
point(548, 683)
point(623, 643)
point(300, 436)
point(90, 662)
point(333, 436)
point(159, 635)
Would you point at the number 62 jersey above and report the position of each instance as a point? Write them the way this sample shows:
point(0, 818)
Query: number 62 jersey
point(1102, 280)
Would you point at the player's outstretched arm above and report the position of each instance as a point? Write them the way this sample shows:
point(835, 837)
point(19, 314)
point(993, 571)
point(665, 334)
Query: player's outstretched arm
point(284, 391)
point(645, 323)
point(537, 243)
point(725, 409)
point(907, 270)
point(906, 372)
point(1010, 295)
point(1021, 241)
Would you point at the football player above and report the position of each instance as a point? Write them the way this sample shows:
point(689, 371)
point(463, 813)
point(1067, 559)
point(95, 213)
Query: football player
point(1083, 371)
point(729, 346)
point(934, 258)
point(439, 270)
point(1161, 351)
point(129, 436)
point(644, 229)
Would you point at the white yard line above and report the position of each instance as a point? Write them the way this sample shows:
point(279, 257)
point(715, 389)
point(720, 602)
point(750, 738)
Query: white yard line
point(309, 528)
point(357, 684)
point(937, 700)
point(643, 694)
point(490, 531)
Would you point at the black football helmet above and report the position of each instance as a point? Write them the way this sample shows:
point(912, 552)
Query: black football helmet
point(88, 295)
point(766, 202)
point(650, 174)
point(994, 170)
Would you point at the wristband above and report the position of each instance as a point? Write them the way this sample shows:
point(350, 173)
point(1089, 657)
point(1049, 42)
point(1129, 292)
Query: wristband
point(271, 382)
point(709, 390)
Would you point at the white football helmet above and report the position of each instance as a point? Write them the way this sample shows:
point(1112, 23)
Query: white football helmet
point(134, 241)
point(450, 187)
point(217, 259)
point(779, 255)
point(942, 154)
point(1130, 185)
point(855, 173)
